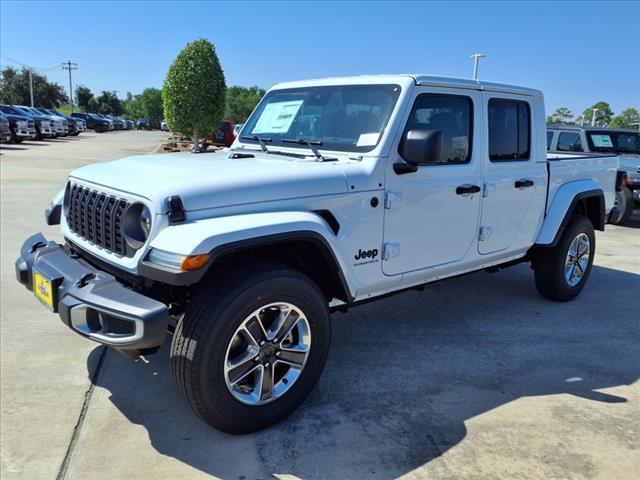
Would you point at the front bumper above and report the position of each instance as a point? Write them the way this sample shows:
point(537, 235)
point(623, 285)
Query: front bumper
point(24, 132)
point(92, 302)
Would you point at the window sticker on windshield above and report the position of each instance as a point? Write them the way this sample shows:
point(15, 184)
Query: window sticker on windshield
point(368, 139)
point(277, 117)
point(601, 141)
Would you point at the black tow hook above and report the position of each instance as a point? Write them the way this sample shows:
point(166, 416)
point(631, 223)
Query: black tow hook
point(37, 246)
point(85, 279)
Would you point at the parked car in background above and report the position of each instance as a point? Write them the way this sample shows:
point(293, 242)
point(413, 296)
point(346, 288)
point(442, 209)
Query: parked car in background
point(74, 123)
point(105, 117)
point(22, 126)
point(61, 125)
point(81, 125)
point(143, 124)
point(130, 124)
point(118, 123)
point(624, 143)
point(59, 116)
point(224, 136)
point(164, 126)
point(5, 129)
point(93, 121)
point(47, 126)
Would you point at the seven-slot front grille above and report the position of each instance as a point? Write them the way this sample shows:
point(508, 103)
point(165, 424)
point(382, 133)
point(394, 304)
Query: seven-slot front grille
point(97, 217)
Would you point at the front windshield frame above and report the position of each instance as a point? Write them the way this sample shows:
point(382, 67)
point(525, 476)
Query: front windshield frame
point(304, 94)
point(615, 138)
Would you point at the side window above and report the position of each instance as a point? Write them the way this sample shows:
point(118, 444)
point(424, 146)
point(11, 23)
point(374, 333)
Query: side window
point(549, 138)
point(509, 130)
point(450, 114)
point(569, 142)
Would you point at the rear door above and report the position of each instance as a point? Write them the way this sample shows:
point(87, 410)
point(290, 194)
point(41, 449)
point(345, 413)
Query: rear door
point(515, 183)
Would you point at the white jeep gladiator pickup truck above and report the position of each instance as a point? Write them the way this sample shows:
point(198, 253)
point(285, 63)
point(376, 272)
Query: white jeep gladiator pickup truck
point(336, 192)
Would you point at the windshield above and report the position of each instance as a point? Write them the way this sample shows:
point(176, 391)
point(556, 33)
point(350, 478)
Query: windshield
point(612, 141)
point(346, 118)
point(95, 117)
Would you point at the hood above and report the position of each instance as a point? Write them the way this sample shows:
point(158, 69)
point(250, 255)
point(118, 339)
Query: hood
point(210, 180)
point(17, 118)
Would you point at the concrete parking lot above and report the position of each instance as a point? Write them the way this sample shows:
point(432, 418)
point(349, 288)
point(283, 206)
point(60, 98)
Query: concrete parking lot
point(476, 377)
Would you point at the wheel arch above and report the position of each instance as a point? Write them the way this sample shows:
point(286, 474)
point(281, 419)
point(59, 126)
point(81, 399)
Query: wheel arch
point(305, 251)
point(572, 199)
point(301, 240)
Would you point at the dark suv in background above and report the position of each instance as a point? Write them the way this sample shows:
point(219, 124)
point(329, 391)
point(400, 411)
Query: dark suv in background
point(93, 121)
point(22, 126)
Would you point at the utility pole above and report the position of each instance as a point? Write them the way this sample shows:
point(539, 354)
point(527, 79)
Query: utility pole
point(31, 86)
point(69, 65)
point(476, 59)
point(593, 119)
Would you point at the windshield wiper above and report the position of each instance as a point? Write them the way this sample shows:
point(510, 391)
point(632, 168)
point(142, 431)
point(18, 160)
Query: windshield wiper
point(260, 140)
point(312, 145)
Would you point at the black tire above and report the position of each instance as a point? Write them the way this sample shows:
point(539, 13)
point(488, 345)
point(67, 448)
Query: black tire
point(549, 263)
point(200, 342)
point(625, 204)
point(16, 139)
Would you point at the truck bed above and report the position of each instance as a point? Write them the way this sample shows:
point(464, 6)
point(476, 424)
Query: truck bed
point(572, 167)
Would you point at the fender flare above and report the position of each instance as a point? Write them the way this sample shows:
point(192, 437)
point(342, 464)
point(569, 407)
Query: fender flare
point(562, 207)
point(222, 235)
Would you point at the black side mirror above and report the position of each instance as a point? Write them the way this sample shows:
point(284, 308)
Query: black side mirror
point(422, 146)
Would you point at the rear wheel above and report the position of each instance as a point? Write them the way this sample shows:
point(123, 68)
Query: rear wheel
point(250, 349)
point(561, 272)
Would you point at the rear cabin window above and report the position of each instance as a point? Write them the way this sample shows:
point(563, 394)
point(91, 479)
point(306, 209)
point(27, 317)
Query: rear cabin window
point(569, 142)
point(450, 114)
point(509, 130)
point(549, 140)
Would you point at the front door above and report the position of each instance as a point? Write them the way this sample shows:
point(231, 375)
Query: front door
point(432, 214)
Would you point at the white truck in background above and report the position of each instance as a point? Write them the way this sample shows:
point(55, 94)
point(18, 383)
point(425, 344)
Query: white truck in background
point(623, 142)
point(336, 192)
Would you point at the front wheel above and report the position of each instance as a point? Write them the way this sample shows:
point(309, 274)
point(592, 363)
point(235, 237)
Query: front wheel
point(561, 272)
point(250, 349)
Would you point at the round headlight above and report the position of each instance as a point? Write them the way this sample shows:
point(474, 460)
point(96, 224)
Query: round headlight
point(136, 225)
point(145, 221)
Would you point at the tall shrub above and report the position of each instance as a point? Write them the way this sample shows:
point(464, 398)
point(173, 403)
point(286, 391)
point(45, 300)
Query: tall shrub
point(193, 93)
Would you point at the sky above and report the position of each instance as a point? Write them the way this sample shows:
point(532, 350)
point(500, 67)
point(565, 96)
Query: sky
point(577, 52)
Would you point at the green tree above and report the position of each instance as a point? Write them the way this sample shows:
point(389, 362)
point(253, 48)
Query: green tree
point(84, 97)
point(240, 102)
point(562, 116)
point(151, 105)
point(193, 93)
point(132, 107)
point(603, 114)
point(629, 118)
point(14, 89)
point(109, 104)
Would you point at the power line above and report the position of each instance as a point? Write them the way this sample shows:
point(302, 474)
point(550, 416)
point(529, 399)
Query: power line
point(43, 69)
